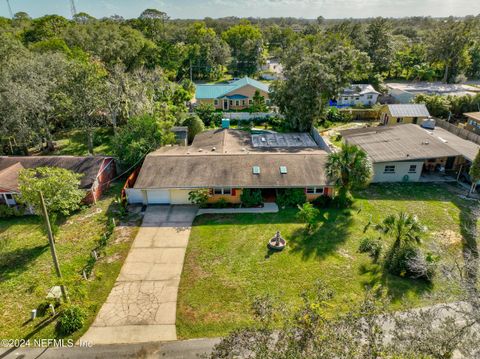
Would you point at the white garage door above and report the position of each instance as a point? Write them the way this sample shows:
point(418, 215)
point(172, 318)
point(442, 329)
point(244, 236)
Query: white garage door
point(158, 196)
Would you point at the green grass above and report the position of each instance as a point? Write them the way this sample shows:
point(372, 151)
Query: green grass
point(74, 142)
point(27, 272)
point(227, 263)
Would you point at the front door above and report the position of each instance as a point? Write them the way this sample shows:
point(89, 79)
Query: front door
point(449, 164)
point(225, 104)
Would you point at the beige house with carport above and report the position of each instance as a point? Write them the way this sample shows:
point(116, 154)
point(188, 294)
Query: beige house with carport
point(227, 161)
point(410, 153)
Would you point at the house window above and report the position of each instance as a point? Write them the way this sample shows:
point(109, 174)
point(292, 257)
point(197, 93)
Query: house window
point(315, 190)
point(250, 102)
point(237, 103)
point(389, 169)
point(215, 102)
point(267, 101)
point(231, 102)
point(8, 196)
point(243, 102)
point(357, 98)
point(412, 169)
point(415, 120)
point(222, 191)
point(369, 97)
point(345, 99)
point(399, 120)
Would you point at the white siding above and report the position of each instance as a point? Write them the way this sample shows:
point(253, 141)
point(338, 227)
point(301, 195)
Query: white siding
point(402, 169)
point(134, 195)
point(179, 196)
point(158, 196)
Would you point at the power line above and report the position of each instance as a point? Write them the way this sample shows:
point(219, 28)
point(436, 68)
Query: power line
point(10, 9)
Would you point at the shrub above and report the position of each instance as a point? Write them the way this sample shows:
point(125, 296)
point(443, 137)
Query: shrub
point(308, 214)
point(9, 212)
point(221, 203)
point(371, 246)
point(411, 262)
point(323, 201)
point(251, 197)
point(291, 197)
point(199, 196)
point(71, 319)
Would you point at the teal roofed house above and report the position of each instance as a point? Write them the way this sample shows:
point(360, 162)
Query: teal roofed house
point(236, 95)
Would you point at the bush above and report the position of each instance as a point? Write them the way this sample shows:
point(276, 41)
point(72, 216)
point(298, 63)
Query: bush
point(9, 212)
point(308, 215)
point(251, 197)
point(221, 203)
point(71, 319)
point(371, 246)
point(199, 196)
point(323, 201)
point(411, 262)
point(291, 197)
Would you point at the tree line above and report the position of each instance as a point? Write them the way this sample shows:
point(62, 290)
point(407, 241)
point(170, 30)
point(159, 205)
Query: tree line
point(83, 73)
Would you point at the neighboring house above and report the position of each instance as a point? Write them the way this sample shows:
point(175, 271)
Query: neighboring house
point(272, 70)
point(96, 173)
point(236, 95)
point(360, 94)
point(473, 122)
point(227, 161)
point(406, 92)
point(405, 153)
point(404, 113)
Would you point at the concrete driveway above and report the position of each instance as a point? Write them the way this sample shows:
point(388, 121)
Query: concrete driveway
point(142, 305)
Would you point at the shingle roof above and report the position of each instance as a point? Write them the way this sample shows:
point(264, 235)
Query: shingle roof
point(409, 110)
point(9, 178)
point(216, 91)
point(88, 166)
point(359, 89)
point(202, 171)
point(409, 142)
point(230, 164)
point(473, 115)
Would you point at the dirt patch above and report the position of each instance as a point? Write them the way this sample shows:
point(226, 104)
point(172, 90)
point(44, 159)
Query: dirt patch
point(122, 234)
point(448, 237)
point(113, 258)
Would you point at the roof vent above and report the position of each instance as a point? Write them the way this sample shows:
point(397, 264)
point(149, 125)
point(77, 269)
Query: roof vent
point(214, 148)
point(283, 170)
point(425, 142)
point(264, 139)
point(200, 150)
point(256, 170)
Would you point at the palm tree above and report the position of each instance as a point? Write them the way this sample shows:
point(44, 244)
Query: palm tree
point(403, 227)
point(349, 168)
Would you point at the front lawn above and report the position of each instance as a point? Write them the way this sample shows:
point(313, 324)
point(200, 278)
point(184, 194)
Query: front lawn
point(227, 262)
point(27, 272)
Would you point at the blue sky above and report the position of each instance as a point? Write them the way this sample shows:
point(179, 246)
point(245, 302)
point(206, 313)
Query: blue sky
point(255, 8)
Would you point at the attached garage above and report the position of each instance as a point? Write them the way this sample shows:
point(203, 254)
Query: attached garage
point(179, 196)
point(158, 196)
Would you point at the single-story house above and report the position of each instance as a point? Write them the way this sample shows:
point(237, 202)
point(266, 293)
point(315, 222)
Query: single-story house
point(406, 92)
point(236, 95)
point(473, 122)
point(359, 94)
point(404, 113)
point(226, 162)
point(408, 152)
point(96, 171)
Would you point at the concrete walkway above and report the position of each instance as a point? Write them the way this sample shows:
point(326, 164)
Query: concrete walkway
point(142, 305)
point(269, 207)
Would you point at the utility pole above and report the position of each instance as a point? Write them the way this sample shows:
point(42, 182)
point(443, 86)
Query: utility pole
point(10, 9)
point(52, 245)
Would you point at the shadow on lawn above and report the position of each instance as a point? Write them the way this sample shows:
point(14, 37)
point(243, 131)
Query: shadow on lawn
point(397, 287)
point(16, 261)
point(332, 231)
